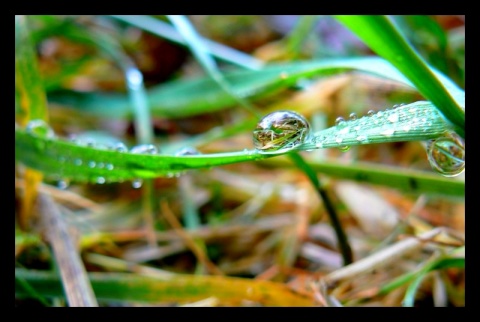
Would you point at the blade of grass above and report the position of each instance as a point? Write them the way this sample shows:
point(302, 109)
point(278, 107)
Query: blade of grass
point(183, 98)
point(75, 282)
point(164, 30)
point(32, 105)
point(413, 181)
point(143, 289)
point(201, 53)
point(342, 239)
point(84, 163)
point(381, 35)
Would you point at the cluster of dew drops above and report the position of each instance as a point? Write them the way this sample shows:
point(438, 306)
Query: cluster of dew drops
point(40, 128)
point(286, 129)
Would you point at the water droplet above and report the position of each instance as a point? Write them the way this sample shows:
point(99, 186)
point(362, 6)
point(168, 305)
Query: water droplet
point(101, 180)
point(100, 165)
point(92, 164)
point(361, 138)
point(144, 149)
point(371, 113)
point(388, 132)
point(344, 148)
point(393, 118)
point(339, 140)
point(340, 121)
point(78, 162)
point(279, 130)
point(137, 183)
point(396, 105)
point(120, 147)
point(63, 183)
point(189, 151)
point(447, 155)
point(353, 116)
point(283, 75)
point(406, 128)
point(109, 166)
point(40, 128)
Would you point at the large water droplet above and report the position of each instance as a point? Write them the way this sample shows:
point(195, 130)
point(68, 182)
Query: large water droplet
point(144, 149)
point(279, 130)
point(447, 155)
point(40, 128)
point(371, 112)
point(101, 180)
point(353, 116)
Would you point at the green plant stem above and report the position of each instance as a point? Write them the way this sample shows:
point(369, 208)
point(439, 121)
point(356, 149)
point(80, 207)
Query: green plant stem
point(342, 239)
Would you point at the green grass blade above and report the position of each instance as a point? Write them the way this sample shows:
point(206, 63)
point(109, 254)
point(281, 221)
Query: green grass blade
point(182, 288)
point(164, 30)
point(29, 89)
point(409, 299)
point(185, 98)
point(381, 35)
point(200, 51)
point(407, 180)
point(69, 160)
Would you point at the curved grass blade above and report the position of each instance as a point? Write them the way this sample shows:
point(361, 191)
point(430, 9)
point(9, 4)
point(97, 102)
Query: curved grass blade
point(185, 98)
point(164, 30)
point(200, 51)
point(182, 288)
point(381, 35)
point(65, 159)
point(31, 103)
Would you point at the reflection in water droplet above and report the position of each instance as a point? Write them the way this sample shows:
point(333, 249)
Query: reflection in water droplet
point(279, 130)
point(447, 155)
point(137, 183)
point(40, 128)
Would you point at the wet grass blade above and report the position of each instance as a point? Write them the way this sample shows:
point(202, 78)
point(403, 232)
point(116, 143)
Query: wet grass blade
point(185, 288)
point(66, 159)
point(381, 35)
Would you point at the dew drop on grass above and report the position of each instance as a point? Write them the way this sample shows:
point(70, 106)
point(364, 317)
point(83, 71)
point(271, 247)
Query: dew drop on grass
point(137, 183)
point(447, 155)
point(340, 121)
point(371, 113)
point(187, 151)
point(144, 149)
point(120, 147)
point(353, 116)
point(280, 129)
point(40, 128)
point(63, 184)
point(92, 164)
point(388, 132)
point(344, 148)
point(101, 180)
point(393, 118)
